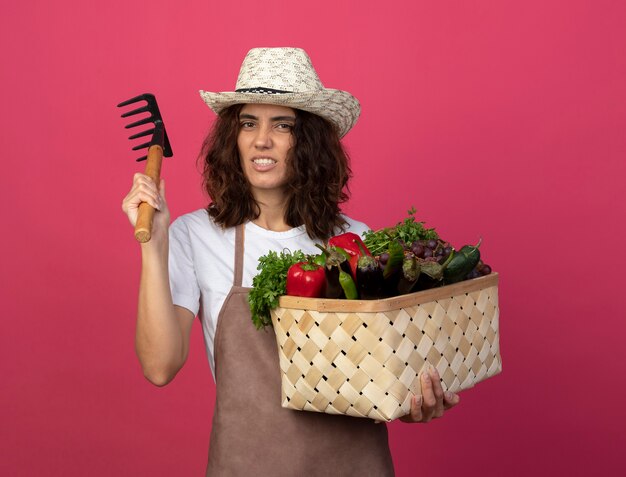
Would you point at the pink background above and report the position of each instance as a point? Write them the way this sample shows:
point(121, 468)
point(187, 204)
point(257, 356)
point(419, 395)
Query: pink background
point(498, 119)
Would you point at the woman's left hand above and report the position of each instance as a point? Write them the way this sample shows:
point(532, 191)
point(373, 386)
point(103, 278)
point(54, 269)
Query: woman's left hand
point(433, 402)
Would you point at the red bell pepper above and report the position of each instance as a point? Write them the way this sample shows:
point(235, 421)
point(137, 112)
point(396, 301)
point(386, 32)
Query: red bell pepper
point(351, 243)
point(306, 279)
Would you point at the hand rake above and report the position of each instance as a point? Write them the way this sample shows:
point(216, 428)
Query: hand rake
point(158, 147)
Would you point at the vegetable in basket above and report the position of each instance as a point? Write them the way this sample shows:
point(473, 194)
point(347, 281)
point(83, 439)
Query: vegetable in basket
point(369, 277)
point(337, 261)
point(462, 263)
point(406, 232)
point(352, 244)
point(270, 283)
point(410, 273)
point(395, 257)
point(306, 278)
point(392, 269)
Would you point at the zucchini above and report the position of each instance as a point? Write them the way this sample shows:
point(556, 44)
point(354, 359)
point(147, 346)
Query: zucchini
point(462, 263)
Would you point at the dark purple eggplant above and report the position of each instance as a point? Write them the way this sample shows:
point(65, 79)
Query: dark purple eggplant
point(369, 278)
point(410, 274)
point(336, 260)
point(392, 271)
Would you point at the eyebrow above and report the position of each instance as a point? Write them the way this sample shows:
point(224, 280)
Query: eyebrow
point(275, 118)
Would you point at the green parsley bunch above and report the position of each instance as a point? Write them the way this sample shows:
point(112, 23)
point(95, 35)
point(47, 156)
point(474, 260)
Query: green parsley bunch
point(270, 283)
point(407, 231)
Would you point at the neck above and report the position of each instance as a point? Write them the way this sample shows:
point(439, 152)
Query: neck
point(272, 212)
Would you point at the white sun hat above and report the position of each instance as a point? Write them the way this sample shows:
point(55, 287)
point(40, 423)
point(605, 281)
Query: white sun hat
point(286, 77)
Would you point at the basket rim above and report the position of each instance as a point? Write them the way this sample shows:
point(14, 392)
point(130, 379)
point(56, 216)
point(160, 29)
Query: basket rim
point(386, 304)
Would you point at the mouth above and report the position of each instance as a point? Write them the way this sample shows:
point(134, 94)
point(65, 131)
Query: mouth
point(263, 164)
point(263, 161)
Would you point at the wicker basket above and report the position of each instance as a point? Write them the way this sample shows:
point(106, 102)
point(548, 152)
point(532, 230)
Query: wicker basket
point(363, 357)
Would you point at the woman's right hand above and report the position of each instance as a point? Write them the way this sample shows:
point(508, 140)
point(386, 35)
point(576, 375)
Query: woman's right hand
point(145, 190)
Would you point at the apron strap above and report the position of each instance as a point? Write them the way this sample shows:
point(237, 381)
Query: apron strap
point(239, 238)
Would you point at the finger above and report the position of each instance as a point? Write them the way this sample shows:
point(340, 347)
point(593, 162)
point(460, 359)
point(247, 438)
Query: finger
point(161, 195)
point(416, 408)
point(148, 196)
point(437, 391)
point(415, 411)
point(450, 400)
point(147, 190)
point(428, 398)
point(145, 182)
point(138, 177)
point(136, 197)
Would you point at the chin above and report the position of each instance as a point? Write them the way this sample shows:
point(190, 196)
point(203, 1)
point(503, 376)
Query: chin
point(265, 188)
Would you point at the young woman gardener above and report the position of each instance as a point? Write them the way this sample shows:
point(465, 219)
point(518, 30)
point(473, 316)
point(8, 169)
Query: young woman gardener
point(276, 172)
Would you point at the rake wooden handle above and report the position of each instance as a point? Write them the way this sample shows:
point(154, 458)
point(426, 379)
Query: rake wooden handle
point(143, 227)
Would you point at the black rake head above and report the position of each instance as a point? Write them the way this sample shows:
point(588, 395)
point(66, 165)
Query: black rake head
point(158, 132)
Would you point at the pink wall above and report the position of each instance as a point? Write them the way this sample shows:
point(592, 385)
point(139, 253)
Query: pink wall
point(498, 119)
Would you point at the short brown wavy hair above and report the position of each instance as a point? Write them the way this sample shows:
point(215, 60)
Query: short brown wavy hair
point(318, 172)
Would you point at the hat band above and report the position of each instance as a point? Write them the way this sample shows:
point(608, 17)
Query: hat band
point(261, 90)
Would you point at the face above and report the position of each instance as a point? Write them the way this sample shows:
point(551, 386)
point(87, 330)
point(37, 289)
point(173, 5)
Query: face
point(264, 140)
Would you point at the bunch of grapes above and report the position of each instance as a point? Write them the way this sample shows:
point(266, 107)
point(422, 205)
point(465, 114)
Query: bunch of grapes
point(479, 270)
point(424, 250)
point(429, 249)
point(435, 250)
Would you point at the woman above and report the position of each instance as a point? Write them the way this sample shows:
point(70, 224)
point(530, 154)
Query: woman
point(276, 172)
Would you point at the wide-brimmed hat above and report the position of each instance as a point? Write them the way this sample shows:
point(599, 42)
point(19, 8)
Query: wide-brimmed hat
point(286, 77)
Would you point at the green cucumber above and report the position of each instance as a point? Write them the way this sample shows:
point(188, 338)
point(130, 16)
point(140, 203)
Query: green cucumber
point(396, 257)
point(348, 285)
point(462, 263)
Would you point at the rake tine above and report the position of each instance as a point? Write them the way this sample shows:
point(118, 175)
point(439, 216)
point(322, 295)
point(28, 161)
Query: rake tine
point(142, 133)
point(143, 109)
point(139, 123)
point(141, 146)
point(141, 97)
point(142, 158)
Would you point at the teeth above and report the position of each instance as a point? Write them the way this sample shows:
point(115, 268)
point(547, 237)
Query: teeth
point(264, 162)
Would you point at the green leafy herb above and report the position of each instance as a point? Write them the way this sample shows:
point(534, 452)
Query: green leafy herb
point(407, 231)
point(270, 283)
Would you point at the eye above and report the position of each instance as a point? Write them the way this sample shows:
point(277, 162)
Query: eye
point(246, 124)
point(285, 126)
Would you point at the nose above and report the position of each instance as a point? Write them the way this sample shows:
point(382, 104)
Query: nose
point(263, 139)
